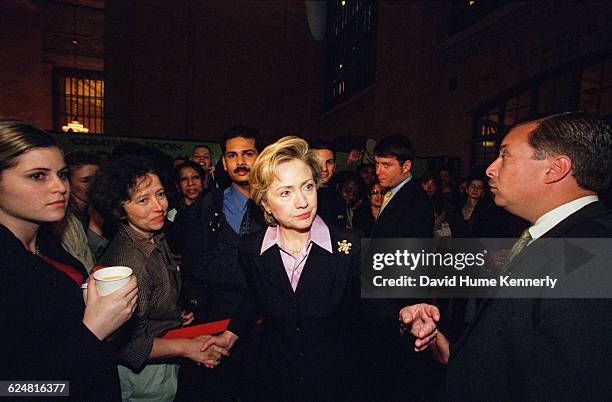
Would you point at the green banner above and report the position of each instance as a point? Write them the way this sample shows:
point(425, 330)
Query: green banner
point(103, 145)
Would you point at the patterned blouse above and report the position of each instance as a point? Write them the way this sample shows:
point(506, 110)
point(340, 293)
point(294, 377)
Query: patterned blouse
point(159, 286)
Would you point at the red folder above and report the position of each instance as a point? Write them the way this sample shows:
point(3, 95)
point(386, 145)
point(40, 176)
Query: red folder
point(208, 328)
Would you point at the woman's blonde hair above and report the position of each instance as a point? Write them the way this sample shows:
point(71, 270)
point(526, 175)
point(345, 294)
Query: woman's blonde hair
point(265, 168)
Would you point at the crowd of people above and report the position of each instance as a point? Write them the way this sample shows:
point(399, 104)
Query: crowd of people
point(270, 238)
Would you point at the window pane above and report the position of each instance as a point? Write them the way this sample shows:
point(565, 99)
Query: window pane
point(350, 50)
point(605, 103)
point(81, 97)
point(591, 77)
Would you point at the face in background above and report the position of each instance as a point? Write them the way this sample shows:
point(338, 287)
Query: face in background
point(463, 187)
point(147, 206)
point(430, 187)
point(389, 171)
point(368, 175)
point(190, 184)
point(292, 196)
point(240, 154)
point(81, 178)
point(376, 195)
point(476, 189)
point(202, 156)
point(445, 177)
point(328, 164)
point(349, 190)
point(514, 175)
point(35, 190)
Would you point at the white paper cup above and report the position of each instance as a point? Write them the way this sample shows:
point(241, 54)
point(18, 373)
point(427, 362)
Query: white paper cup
point(110, 279)
point(84, 288)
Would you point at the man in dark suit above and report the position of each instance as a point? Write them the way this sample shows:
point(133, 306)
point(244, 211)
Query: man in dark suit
point(331, 206)
point(405, 213)
point(544, 347)
point(213, 227)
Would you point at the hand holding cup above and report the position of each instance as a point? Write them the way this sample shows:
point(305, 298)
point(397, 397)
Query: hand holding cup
point(105, 314)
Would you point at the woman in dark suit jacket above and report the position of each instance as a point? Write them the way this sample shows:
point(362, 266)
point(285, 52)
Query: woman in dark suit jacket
point(303, 281)
point(47, 332)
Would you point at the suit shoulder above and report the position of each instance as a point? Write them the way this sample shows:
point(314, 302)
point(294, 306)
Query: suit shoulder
point(198, 211)
point(594, 220)
point(600, 226)
point(252, 241)
point(208, 199)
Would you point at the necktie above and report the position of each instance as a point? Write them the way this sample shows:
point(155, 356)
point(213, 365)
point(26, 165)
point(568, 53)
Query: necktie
point(245, 224)
point(386, 199)
point(520, 244)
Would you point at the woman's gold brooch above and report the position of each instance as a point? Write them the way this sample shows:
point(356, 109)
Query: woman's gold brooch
point(344, 246)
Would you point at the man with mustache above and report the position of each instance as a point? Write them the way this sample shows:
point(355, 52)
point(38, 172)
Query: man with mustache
point(213, 282)
point(213, 226)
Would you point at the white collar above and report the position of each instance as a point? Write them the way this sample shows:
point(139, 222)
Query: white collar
point(551, 218)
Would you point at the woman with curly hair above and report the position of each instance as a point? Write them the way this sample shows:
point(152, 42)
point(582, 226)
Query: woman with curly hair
point(129, 190)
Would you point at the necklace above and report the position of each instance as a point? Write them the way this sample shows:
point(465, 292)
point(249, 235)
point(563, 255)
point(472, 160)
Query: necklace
point(295, 250)
point(36, 251)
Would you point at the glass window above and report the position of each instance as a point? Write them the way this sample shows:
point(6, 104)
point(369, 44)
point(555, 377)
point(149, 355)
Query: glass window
point(350, 49)
point(596, 88)
point(588, 88)
point(468, 12)
point(79, 97)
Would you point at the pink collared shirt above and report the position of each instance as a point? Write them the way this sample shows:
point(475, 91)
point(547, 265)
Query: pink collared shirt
point(294, 263)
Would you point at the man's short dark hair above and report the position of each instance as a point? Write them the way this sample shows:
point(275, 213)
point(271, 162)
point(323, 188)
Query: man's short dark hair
point(81, 158)
point(395, 146)
point(323, 144)
point(241, 131)
point(586, 139)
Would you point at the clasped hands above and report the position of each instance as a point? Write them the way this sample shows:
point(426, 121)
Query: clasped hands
point(420, 320)
point(220, 343)
point(208, 354)
point(203, 352)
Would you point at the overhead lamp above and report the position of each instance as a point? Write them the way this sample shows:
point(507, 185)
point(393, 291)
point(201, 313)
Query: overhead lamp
point(75, 127)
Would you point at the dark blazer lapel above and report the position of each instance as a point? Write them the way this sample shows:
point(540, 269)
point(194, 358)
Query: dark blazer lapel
point(590, 211)
point(273, 265)
point(526, 253)
point(25, 258)
point(389, 209)
point(399, 201)
point(318, 262)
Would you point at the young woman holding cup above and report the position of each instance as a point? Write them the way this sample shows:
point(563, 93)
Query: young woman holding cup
point(129, 191)
point(47, 332)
